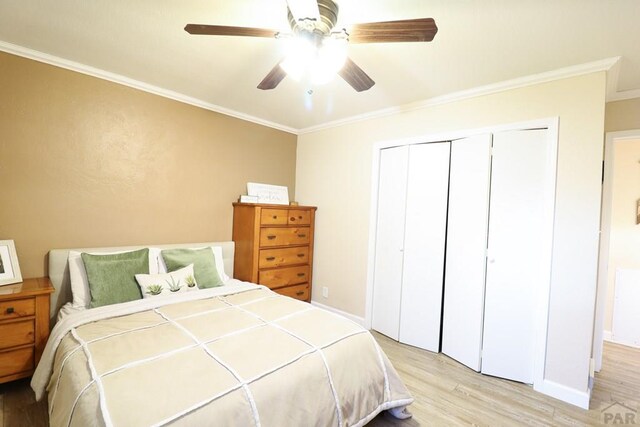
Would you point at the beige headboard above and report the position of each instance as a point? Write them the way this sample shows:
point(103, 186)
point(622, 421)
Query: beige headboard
point(59, 267)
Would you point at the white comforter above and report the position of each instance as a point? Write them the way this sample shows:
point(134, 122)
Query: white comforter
point(235, 355)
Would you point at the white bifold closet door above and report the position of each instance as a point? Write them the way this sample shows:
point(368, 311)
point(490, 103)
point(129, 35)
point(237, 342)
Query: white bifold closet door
point(410, 242)
point(424, 245)
point(392, 196)
point(466, 249)
point(517, 257)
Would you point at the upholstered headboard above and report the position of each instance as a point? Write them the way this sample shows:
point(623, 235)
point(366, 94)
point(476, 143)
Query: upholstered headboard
point(59, 267)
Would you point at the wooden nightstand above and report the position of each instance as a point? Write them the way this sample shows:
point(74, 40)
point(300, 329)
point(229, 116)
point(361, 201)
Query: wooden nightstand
point(24, 326)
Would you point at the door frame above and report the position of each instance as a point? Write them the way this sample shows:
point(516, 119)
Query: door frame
point(605, 233)
point(542, 321)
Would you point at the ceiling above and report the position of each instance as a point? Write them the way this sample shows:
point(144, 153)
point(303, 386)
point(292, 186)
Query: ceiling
point(478, 43)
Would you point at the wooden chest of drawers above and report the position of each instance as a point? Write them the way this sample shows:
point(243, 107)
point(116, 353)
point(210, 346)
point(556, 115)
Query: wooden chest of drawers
point(24, 326)
point(274, 247)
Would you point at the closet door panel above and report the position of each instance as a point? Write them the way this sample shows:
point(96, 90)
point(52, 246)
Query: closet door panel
point(387, 280)
point(424, 243)
point(466, 249)
point(516, 253)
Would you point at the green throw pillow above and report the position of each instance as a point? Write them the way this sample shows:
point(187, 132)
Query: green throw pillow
point(112, 277)
point(204, 264)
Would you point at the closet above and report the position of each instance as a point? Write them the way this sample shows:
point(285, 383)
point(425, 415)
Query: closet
point(460, 250)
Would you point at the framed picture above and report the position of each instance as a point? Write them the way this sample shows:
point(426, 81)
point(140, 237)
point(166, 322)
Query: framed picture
point(9, 268)
point(272, 194)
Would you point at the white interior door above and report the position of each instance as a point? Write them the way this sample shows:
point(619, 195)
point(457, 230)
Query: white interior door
point(387, 279)
point(424, 244)
point(516, 255)
point(466, 249)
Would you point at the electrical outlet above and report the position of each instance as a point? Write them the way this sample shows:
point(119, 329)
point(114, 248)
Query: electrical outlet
point(325, 292)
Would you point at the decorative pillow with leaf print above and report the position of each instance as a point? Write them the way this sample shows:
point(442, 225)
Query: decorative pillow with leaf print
point(182, 280)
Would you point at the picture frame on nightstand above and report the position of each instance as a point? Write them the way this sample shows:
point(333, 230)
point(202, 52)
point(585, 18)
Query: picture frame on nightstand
point(9, 267)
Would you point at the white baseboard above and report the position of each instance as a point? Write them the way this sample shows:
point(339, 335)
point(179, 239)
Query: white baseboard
point(564, 393)
point(359, 320)
point(606, 335)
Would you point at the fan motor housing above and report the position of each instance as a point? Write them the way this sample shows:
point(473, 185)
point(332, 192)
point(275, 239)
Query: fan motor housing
point(328, 18)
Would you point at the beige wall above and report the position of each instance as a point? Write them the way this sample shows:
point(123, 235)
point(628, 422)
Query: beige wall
point(85, 162)
point(622, 115)
point(334, 173)
point(624, 233)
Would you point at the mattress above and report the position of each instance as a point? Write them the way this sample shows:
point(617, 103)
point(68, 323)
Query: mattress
point(235, 355)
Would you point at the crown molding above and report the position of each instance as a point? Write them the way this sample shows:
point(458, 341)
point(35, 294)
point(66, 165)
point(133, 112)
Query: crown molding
point(611, 65)
point(520, 82)
point(621, 96)
point(136, 84)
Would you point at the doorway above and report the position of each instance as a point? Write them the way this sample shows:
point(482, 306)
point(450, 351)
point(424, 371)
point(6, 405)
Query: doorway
point(619, 260)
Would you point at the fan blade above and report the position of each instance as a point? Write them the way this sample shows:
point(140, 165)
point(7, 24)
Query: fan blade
point(221, 30)
point(301, 9)
point(355, 76)
point(410, 30)
point(272, 79)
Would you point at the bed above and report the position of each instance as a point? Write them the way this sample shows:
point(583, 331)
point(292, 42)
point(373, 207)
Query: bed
point(237, 354)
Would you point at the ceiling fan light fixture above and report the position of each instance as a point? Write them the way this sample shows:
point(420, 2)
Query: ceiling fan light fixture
point(318, 62)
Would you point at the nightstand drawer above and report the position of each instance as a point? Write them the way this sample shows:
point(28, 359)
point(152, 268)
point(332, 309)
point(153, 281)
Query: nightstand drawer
point(16, 361)
point(273, 216)
point(280, 257)
point(284, 276)
point(16, 333)
point(300, 292)
point(284, 236)
point(17, 308)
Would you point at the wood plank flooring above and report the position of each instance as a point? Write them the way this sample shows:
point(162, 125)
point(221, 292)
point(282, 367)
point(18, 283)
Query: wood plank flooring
point(446, 394)
point(449, 394)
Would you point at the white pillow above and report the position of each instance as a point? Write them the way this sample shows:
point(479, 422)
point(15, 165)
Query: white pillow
point(78, 275)
point(217, 255)
point(179, 281)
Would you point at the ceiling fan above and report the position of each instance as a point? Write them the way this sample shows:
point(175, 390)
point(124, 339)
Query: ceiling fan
point(316, 46)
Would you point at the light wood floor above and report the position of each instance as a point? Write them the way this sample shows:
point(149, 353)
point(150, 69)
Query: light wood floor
point(446, 394)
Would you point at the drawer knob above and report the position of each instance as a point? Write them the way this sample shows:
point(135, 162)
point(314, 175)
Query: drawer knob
point(300, 293)
point(300, 274)
point(300, 255)
point(275, 217)
point(10, 310)
point(293, 218)
point(270, 258)
point(302, 235)
point(271, 237)
point(300, 217)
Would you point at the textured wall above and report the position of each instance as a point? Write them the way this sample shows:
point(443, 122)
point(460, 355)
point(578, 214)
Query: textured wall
point(622, 115)
point(85, 162)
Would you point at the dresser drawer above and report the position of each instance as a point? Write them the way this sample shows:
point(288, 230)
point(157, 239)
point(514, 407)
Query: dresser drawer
point(16, 361)
point(284, 236)
point(16, 333)
point(299, 217)
point(17, 308)
point(284, 276)
point(300, 292)
point(281, 257)
point(273, 216)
